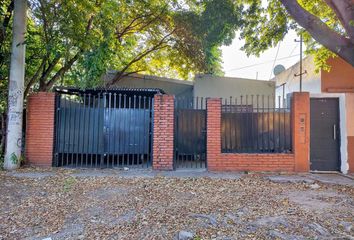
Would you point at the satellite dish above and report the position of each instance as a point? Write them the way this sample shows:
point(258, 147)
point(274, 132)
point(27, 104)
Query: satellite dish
point(278, 69)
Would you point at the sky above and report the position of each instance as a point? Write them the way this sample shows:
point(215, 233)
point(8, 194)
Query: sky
point(237, 64)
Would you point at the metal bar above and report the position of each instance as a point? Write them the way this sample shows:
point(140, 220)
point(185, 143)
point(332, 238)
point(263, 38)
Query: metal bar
point(104, 110)
point(69, 133)
point(279, 134)
point(268, 116)
point(120, 126)
point(124, 148)
point(258, 123)
point(75, 135)
point(284, 143)
point(64, 112)
point(252, 124)
point(144, 131)
point(83, 129)
point(115, 140)
point(94, 137)
point(135, 132)
point(236, 125)
point(225, 108)
point(247, 126)
point(151, 127)
point(57, 130)
point(88, 129)
point(242, 122)
point(99, 129)
point(92, 112)
point(129, 130)
point(263, 123)
point(202, 134)
point(108, 129)
point(274, 109)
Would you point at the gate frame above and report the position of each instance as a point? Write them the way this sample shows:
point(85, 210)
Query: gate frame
point(106, 159)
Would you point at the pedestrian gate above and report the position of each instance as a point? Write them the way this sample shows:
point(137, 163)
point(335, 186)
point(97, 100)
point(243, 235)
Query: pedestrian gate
point(190, 133)
point(103, 128)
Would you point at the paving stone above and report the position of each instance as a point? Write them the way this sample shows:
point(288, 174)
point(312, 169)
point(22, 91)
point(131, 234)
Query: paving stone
point(278, 235)
point(319, 229)
point(185, 235)
point(290, 179)
point(210, 218)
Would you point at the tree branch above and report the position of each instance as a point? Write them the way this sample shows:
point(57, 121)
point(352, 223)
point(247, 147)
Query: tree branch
point(344, 9)
point(130, 26)
point(61, 72)
point(33, 79)
point(140, 56)
point(48, 70)
point(330, 39)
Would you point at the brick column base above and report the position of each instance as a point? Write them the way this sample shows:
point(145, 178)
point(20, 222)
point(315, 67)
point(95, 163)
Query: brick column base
point(163, 132)
point(40, 129)
point(301, 130)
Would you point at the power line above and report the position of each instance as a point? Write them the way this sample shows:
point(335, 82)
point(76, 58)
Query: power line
point(275, 59)
point(292, 51)
point(257, 64)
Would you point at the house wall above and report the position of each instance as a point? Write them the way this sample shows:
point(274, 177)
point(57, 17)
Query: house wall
point(311, 80)
point(208, 86)
point(350, 129)
point(340, 78)
point(179, 88)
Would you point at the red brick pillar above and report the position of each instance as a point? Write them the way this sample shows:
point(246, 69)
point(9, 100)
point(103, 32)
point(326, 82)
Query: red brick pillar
point(213, 133)
point(163, 132)
point(301, 130)
point(40, 129)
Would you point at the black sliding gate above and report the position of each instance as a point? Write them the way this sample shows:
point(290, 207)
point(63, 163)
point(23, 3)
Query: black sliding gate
point(190, 133)
point(103, 129)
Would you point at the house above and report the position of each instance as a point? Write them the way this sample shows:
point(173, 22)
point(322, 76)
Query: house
point(331, 110)
point(178, 88)
point(203, 85)
point(225, 87)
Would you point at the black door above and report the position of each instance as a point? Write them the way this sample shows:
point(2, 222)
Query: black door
point(325, 134)
point(190, 133)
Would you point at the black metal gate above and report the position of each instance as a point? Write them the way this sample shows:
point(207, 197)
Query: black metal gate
point(103, 129)
point(190, 133)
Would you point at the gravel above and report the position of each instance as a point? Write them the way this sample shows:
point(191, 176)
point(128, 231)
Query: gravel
point(67, 205)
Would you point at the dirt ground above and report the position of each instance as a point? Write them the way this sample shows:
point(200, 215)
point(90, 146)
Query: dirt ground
point(69, 204)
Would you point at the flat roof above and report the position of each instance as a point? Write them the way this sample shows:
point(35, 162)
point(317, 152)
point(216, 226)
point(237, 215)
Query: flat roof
point(117, 90)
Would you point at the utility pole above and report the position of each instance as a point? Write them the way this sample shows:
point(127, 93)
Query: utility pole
point(301, 72)
point(16, 87)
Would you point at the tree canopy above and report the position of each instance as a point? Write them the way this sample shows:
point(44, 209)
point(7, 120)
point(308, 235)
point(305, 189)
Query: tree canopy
point(326, 25)
point(75, 42)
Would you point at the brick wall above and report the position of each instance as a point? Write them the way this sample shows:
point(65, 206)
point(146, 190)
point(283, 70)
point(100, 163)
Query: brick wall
point(40, 129)
point(163, 146)
point(295, 161)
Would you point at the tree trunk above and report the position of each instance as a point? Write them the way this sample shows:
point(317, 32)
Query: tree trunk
point(16, 88)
